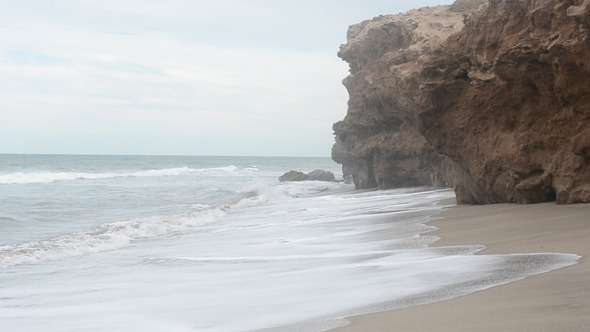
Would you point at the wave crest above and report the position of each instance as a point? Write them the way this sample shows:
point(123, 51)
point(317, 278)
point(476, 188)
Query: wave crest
point(104, 237)
point(48, 177)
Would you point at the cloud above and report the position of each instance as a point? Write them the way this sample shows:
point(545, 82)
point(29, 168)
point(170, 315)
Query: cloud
point(172, 77)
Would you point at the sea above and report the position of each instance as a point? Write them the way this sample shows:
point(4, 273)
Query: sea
point(185, 243)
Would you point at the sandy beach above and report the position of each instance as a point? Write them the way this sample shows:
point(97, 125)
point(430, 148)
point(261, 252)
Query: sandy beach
point(554, 301)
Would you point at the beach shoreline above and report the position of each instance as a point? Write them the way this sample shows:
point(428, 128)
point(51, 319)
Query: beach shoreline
point(553, 301)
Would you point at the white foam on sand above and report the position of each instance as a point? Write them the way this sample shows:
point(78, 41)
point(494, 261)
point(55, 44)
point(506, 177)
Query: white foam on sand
point(285, 258)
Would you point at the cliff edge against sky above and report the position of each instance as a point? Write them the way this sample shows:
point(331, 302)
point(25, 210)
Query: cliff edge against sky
point(490, 98)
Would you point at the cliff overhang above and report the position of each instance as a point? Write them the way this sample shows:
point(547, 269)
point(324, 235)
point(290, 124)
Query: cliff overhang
point(492, 99)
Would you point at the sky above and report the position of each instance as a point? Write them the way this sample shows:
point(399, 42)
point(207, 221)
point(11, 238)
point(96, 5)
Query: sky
point(176, 77)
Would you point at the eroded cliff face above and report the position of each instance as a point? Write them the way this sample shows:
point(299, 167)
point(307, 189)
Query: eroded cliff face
point(508, 100)
point(378, 142)
point(496, 104)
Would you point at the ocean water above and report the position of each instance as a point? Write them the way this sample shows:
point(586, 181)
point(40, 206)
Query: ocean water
point(153, 243)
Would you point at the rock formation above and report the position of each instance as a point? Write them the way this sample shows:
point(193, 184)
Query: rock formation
point(379, 143)
point(293, 176)
point(321, 175)
point(508, 100)
point(316, 175)
point(493, 99)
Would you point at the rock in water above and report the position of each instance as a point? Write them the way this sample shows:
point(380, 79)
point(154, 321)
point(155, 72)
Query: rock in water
point(321, 175)
point(317, 175)
point(293, 176)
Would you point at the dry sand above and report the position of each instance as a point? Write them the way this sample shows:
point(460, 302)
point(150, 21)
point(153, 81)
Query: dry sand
point(554, 301)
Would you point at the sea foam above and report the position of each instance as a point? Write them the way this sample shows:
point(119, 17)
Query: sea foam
point(48, 177)
point(183, 243)
point(104, 237)
point(272, 258)
point(109, 236)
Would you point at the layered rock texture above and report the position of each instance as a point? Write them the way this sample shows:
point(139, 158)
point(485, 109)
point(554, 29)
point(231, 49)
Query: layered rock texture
point(378, 142)
point(491, 98)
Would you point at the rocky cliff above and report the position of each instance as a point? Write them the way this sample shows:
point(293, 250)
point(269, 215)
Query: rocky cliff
point(493, 99)
point(378, 142)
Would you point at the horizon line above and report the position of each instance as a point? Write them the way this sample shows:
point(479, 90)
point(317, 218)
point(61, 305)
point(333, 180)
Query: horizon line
point(159, 155)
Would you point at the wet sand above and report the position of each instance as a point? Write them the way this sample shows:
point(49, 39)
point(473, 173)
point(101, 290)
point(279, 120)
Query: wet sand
point(553, 301)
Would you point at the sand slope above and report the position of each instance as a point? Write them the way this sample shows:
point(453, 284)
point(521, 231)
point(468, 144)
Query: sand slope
point(554, 301)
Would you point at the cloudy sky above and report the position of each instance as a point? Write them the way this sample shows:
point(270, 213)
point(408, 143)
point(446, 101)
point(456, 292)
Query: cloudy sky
point(176, 77)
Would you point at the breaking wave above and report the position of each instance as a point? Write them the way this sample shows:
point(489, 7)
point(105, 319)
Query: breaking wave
point(104, 237)
point(115, 235)
point(48, 177)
